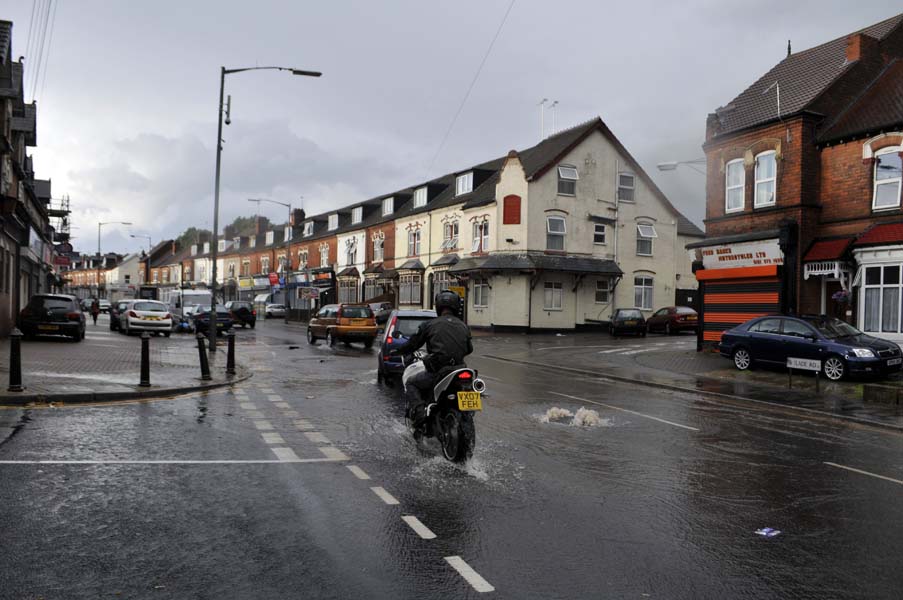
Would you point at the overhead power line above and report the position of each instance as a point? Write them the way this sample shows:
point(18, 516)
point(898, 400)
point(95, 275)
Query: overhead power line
point(49, 48)
point(34, 5)
point(35, 76)
point(470, 88)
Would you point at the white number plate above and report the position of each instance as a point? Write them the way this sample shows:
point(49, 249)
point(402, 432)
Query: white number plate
point(894, 361)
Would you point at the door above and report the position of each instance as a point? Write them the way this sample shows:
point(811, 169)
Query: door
point(657, 321)
point(766, 342)
point(800, 341)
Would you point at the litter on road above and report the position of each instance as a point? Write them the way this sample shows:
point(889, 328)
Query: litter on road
point(768, 532)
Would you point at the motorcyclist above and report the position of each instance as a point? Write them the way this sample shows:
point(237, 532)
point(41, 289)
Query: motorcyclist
point(447, 340)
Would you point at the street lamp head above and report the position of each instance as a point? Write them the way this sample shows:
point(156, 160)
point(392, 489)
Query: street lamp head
point(306, 73)
point(667, 166)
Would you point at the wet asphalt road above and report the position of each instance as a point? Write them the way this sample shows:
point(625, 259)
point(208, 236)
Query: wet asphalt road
point(247, 493)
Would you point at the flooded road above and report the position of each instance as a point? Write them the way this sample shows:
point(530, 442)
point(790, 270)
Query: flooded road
point(303, 482)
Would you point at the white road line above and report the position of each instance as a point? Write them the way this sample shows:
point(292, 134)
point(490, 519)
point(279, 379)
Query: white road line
point(291, 413)
point(267, 391)
point(333, 453)
point(285, 454)
point(274, 398)
point(633, 412)
point(358, 472)
point(638, 351)
point(303, 424)
point(164, 462)
point(272, 438)
point(263, 425)
point(419, 528)
point(316, 437)
point(466, 571)
point(860, 471)
point(248, 405)
point(284, 405)
point(384, 495)
point(612, 350)
point(566, 347)
point(254, 414)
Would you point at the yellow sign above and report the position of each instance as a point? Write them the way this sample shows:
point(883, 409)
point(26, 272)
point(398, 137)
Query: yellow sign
point(460, 290)
point(245, 283)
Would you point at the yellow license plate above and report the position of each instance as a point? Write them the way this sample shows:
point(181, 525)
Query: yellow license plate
point(359, 321)
point(470, 401)
point(152, 318)
point(629, 322)
point(49, 327)
point(691, 318)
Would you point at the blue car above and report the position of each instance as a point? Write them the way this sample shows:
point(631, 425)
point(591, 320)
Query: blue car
point(841, 348)
point(400, 326)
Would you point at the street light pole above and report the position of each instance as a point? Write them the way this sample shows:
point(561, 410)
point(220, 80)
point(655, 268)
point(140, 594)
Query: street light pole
point(219, 151)
point(99, 225)
point(287, 264)
point(147, 237)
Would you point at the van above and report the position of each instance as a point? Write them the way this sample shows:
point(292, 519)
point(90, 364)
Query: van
point(182, 303)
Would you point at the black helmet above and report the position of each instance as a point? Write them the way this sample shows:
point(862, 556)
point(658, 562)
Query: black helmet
point(448, 299)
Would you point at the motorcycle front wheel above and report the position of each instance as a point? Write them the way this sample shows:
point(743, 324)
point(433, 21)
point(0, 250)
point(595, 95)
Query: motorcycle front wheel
point(456, 434)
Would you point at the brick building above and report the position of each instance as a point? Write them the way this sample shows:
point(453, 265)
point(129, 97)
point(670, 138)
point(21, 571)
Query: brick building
point(803, 194)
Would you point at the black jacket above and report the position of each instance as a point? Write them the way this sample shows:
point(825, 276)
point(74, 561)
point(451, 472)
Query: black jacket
point(447, 340)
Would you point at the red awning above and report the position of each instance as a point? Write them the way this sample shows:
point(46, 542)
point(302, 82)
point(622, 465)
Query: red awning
point(879, 235)
point(827, 249)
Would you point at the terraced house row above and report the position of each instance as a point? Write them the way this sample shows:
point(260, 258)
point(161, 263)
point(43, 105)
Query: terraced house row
point(554, 236)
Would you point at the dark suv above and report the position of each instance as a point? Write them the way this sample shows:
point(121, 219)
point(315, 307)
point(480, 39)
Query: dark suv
point(243, 313)
point(53, 314)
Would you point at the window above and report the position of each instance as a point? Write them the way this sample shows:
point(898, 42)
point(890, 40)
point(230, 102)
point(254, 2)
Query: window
point(599, 233)
point(767, 326)
point(269, 238)
point(245, 269)
point(644, 235)
point(236, 243)
point(351, 252)
point(378, 245)
point(450, 235)
point(202, 272)
point(348, 290)
point(231, 270)
point(552, 299)
point(766, 169)
point(480, 293)
point(480, 237)
point(308, 228)
point(206, 247)
point(128, 278)
point(357, 214)
point(882, 299)
point(409, 288)
point(603, 291)
point(797, 329)
point(464, 184)
point(511, 210)
point(734, 184)
point(372, 288)
point(626, 185)
point(567, 180)
point(333, 222)
point(288, 233)
point(414, 242)
point(252, 242)
point(420, 197)
point(302, 259)
point(194, 249)
point(642, 292)
point(187, 273)
point(888, 175)
point(441, 281)
point(324, 255)
point(156, 276)
point(222, 246)
point(555, 231)
point(265, 264)
point(388, 206)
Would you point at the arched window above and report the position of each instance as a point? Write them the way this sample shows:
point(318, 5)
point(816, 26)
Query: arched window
point(734, 183)
point(888, 175)
point(766, 177)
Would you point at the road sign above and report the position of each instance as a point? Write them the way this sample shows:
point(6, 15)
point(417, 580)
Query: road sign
point(458, 289)
point(804, 364)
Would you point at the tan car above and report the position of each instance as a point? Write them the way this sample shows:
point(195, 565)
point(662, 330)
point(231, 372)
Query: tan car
point(343, 322)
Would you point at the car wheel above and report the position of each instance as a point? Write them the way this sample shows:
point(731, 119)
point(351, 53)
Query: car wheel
point(643, 333)
point(742, 359)
point(379, 376)
point(834, 368)
point(252, 325)
point(311, 338)
point(330, 340)
point(167, 333)
point(668, 329)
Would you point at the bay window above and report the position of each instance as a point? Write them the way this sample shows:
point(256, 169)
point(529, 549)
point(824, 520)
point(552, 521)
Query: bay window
point(409, 288)
point(881, 292)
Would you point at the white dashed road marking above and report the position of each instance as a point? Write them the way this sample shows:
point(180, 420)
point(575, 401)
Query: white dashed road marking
point(254, 414)
point(333, 453)
point(633, 412)
point(358, 472)
point(861, 472)
point(384, 495)
point(248, 406)
point(303, 424)
point(292, 413)
point(164, 462)
point(274, 398)
point(284, 405)
point(273, 438)
point(612, 350)
point(285, 454)
point(263, 425)
point(472, 577)
point(638, 351)
point(419, 528)
point(316, 437)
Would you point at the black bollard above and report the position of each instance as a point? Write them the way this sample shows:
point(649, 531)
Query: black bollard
point(202, 353)
point(15, 361)
point(145, 360)
point(230, 356)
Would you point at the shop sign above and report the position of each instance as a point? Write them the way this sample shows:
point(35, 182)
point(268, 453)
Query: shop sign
point(62, 261)
point(308, 293)
point(261, 282)
point(741, 254)
point(245, 283)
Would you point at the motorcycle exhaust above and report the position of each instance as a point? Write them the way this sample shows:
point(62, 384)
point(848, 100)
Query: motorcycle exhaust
point(479, 385)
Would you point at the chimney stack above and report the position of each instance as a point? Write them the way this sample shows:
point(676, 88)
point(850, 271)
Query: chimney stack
point(261, 225)
point(860, 46)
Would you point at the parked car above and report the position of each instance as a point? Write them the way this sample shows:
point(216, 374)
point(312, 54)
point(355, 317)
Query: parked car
point(53, 314)
point(104, 305)
point(145, 315)
point(401, 325)
point(627, 320)
point(343, 322)
point(274, 311)
point(381, 310)
point(243, 313)
point(841, 348)
point(673, 319)
point(116, 314)
point(200, 318)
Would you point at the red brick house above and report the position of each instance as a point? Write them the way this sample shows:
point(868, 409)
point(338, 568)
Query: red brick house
point(803, 192)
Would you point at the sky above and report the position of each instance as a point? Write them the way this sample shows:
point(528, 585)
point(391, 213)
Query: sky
point(127, 94)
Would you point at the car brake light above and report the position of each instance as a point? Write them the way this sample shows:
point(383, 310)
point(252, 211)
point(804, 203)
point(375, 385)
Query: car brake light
point(133, 314)
point(465, 375)
point(254, 313)
point(73, 316)
point(167, 316)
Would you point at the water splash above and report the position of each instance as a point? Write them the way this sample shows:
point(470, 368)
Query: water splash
point(584, 417)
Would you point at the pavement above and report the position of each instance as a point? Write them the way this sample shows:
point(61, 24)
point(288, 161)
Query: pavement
point(303, 482)
point(672, 362)
point(106, 365)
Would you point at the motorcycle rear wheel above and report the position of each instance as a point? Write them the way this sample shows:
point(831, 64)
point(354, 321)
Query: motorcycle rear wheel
point(456, 434)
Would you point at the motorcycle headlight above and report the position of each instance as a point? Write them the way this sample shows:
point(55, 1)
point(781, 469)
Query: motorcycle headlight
point(863, 353)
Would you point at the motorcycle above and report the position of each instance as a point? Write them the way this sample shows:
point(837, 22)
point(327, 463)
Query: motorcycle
point(449, 413)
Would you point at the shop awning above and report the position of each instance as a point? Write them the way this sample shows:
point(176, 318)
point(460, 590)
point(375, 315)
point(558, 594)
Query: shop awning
point(349, 272)
point(538, 262)
point(882, 235)
point(412, 265)
point(832, 249)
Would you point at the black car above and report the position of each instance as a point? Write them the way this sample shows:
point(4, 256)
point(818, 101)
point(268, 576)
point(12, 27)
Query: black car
point(381, 310)
point(243, 313)
point(627, 320)
point(116, 310)
point(841, 348)
point(400, 326)
point(53, 314)
point(200, 318)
